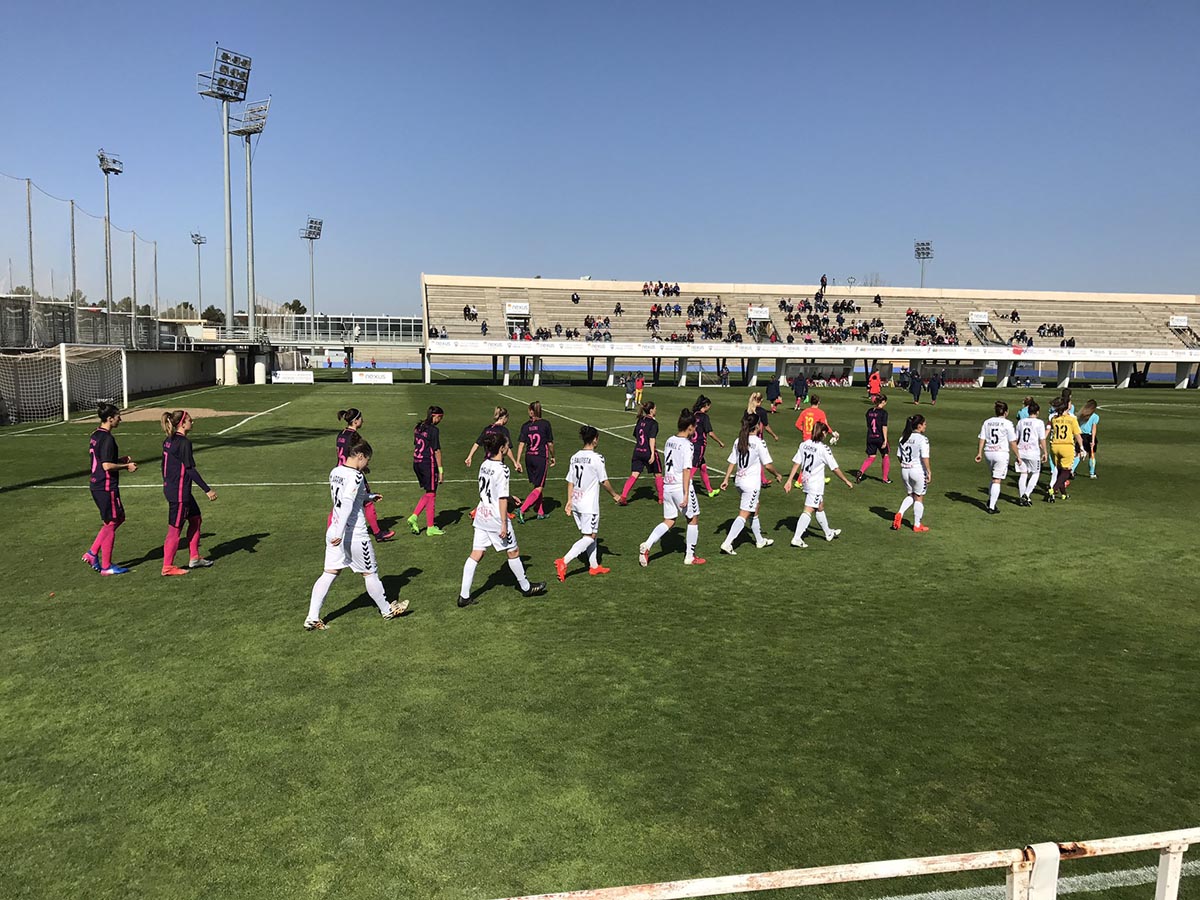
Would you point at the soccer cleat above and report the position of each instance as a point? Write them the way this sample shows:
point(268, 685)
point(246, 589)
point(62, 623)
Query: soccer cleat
point(765, 542)
point(464, 602)
point(728, 548)
point(920, 528)
point(535, 589)
point(434, 530)
point(993, 511)
point(315, 625)
point(799, 542)
point(835, 533)
point(622, 501)
point(114, 570)
point(897, 521)
point(560, 566)
point(599, 570)
point(1093, 475)
point(174, 570)
point(397, 609)
point(385, 536)
point(859, 476)
point(412, 523)
point(1050, 497)
point(716, 491)
point(472, 514)
point(200, 563)
point(695, 561)
point(91, 559)
point(1064, 496)
point(828, 479)
point(887, 481)
point(521, 516)
point(643, 555)
point(799, 484)
point(541, 515)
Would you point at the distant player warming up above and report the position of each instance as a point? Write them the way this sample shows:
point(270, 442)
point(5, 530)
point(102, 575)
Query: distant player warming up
point(427, 464)
point(492, 526)
point(749, 457)
point(914, 472)
point(877, 439)
point(996, 438)
point(704, 431)
point(354, 421)
point(813, 458)
point(179, 474)
point(347, 541)
point(585, 476)
point(679, 495)
point(105, 484)
point(645, 452)
point(1031, 450)
point(536, 447)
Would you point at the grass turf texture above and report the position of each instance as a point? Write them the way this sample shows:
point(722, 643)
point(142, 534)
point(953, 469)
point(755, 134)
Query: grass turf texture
point(997, 680)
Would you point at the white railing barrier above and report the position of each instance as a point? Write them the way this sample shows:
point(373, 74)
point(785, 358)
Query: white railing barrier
point(1032, 873)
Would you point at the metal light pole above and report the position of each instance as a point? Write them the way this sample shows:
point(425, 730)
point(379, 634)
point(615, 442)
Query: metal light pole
point(110, 164)
point(199, 239)
point(923, 250)
point(157, 323)
point(133, 299)
point(227, 82)
point(312, 233)
point(253, 121)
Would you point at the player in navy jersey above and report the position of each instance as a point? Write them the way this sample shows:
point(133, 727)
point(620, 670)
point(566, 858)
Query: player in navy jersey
point(877, 440)
point(755, 407)
point(354, 421)
point(104, 481)
point(536, 446)
point(645, 452)
point(499, 426)
point(704, 431)
point(179, 474)
point(427, 463)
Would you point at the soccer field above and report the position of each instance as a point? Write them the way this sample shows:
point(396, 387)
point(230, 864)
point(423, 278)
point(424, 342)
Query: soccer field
point(1000, 679)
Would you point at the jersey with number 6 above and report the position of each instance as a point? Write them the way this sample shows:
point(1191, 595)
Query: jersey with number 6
point(1030, 434)
point(912, 451)
point(997, 433)
point(679, 454)
point(585, 475)
point(493, 484)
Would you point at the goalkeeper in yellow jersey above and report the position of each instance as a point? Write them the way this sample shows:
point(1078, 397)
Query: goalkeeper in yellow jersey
point(1064, 439)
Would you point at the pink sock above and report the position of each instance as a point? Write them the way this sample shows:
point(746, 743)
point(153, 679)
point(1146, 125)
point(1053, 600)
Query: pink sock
point(420, 505)
point(533, 498)
point(628, 485)
point(193, 537)
point(372, 517)
point(887, 467)
point(170, 546)
point(704, 479)
point(109, 533)
point(658, 486)
point(430, 509)
point(541, 509)
point(867, 463)
point(99, 541)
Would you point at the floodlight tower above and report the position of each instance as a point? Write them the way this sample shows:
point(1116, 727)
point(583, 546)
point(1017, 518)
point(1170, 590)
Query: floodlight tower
point(254, 120)
point(110, 164)
point(923, 250)
point(198, 239)
point(227, 82)
point(312, 233)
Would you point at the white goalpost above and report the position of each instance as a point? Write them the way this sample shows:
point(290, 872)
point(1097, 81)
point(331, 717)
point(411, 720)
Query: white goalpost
point(49, 384)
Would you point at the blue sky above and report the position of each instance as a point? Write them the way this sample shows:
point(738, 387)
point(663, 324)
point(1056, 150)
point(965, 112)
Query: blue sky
point(1039, 145)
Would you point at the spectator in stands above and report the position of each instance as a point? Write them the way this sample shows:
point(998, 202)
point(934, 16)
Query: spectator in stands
point(433, 332)
point(372, 362)
point(558, 329)
point(645, 289)
point(878, 301)
point(1015, 316)
point(617, 311)
point(575, 297)
point(445, 334)
point(824, 284)
point(483, 327)
point(467, 313)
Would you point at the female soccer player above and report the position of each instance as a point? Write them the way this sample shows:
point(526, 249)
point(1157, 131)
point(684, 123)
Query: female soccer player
point(347, 542)
point(996, 438)
point(749, 457)
point(354, 421)
point(755, 408)
point(645, 452)
point(585, 475)
point(813, 457)
point(799, 389)
point(914, 472)
point(499, 426)
point(1031, 450)
point(704, 430)
point(104, 481)
point(538, 438)
point(1065, 439)
point(1089, 425)
point(807, 420)
point(629, 390)
point(639, 384)
point(679, 495)
point(877, 440)
point(179, 473)
point(427, 464)
point(774, 393)
point(492, 526)
point(1024, 410)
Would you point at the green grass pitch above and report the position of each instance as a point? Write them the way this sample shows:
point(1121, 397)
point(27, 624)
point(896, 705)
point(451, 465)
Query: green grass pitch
point(1028, 676)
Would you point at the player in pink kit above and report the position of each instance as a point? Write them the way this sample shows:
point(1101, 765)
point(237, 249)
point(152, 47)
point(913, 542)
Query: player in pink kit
point(877, 439)
point(354, 421)
point(179, 474)
point(536, 446)
point(645, 452)
point(104, 481)
point(427, 464)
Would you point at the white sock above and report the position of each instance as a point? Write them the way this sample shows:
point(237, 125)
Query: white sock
point(376, 592)
point(656, 535)
point(802, 525)
point(756, 529)
point(735, 529)
point(824, 523)
point(580, 546)
point(693, 536)
point(918, 512)
point(993, 495)
point(319, 590)
point(1021, 479)
point(518, 569)
point(468, 577)
point(594, 554)
point(906, 506)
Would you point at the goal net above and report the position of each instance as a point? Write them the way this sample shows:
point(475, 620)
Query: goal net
point(31, 384)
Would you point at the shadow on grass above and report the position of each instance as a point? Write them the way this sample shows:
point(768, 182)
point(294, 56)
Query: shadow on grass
point(959, 497)
point(247, 543)
point(391, 586)
point(503, 577)
point(883, 512)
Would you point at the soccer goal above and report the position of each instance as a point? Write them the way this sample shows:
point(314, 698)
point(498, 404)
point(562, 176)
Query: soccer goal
point(49, 384)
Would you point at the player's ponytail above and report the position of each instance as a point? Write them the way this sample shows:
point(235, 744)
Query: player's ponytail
point(754, 402)
point(358, 446)
point(1033, 406)
point(588, 434)
point(1088, 409)
point(499, 413)
point(911, 425)
point(535, 409)
point(493, 443)
point(646, 409)
point(348, 415)
point(749, 423)
point(702, 403)
point(819, 432)
point(687, 419)
point(1001, 408)
point(106, 411)
point(170, 421)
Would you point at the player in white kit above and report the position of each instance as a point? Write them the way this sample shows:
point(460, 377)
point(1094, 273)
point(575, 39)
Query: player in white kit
point(492, 528)
point(1031, 451)
point(996, 438)
point(914, 472)
point(679, 496)
point(585, 475)
point(347, 539)
point(749, 457)
point(813, 458)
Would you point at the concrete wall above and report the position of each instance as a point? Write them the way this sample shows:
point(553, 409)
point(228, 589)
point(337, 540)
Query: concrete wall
point(151, 371)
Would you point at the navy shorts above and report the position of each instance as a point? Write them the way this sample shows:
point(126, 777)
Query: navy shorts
point(426, 476)
point(646, 463)
point(178, 513)
point(535, 470)
point(110, 506)
point(873, 447)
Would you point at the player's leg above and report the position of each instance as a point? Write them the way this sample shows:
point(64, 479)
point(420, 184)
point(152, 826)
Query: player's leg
point(629, 482)
point(823, 521)
point(656, 468)
point(802, 525)
point(918, 512)
point(866, 464)
point(693, 529)
point(735, 530)
point(887, 464)
point(585, 545)
point(320, 588)
point(1092, 458)
point(481, 540)
point(171, 543)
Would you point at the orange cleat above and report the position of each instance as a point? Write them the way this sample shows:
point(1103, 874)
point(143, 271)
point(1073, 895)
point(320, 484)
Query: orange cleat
point(599, 570)
point(560, 566)
point(920, 528)
point(897, 521)
point(695, 561)
point(174, 570)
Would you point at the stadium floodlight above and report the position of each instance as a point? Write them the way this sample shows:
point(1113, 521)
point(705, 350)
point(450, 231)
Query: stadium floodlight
point(198, 239)
point(312, 233)
point(252, 122)
point(228, 81)
point(110, 164)
point(923, 251)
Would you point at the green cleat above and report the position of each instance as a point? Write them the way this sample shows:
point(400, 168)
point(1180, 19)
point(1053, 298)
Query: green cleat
point(412, 523)
point(434, 530)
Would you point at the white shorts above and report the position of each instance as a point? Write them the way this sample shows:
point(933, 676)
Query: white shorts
point(914, 481)
point(749, 495)
point(586, 522)
point(485, 539)
point(1030, 465)
point(354, 552)
point(673, 503)
point(814, 499)
point(999, 461)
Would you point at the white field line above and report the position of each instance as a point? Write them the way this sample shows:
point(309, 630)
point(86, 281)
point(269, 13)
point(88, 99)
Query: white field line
point(565, 416)
point(228, 484)
point(255, 416)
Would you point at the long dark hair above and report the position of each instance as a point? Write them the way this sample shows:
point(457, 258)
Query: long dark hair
point(819, 432)
point(911, 425)
point(700, 403)
point(358, 444)
point(535, 409)
point(1032, 406)
point(687, 418)
point(589, 434)
point(493, 443)
point(106, 411)
point(747, 428)
point(348, 415)
point(645, 410)
point(433, 411)
point(499, 413)
point(1001, 408)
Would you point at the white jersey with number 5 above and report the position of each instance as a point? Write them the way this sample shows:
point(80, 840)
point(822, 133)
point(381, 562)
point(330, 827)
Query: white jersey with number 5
point(750, 464)
point(997, 433)
point(585, 474)
point(493, 484)
point(678, 454)
point(1030, 434)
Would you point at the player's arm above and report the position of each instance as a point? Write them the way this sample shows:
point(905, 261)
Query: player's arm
point(770, 431)
point(189, 463)
point(925, 463)
point(520, 453)
point(728, 473)
point(471, 452)
point(437, 459)
point(512, 459)
point(791, 479)
point(842, 475)
point(608, 487)
point(887, 447)
point(502, 512)
point(337, 517)
point(550, 451)
point(979, 452)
